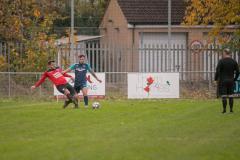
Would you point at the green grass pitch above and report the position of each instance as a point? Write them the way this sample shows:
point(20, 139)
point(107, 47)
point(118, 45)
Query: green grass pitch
point(120, 130)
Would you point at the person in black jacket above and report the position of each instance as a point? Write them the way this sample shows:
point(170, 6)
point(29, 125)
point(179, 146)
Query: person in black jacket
point(227, 73)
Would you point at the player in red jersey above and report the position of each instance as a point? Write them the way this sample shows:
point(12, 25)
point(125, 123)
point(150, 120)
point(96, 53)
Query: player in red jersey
point(58, 79)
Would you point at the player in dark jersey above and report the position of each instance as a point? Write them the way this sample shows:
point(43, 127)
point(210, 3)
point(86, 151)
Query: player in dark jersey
point(80, 69)
point(58, 79)
point(227, 72)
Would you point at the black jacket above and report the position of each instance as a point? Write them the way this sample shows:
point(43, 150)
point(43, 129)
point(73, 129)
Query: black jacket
point(226, 69)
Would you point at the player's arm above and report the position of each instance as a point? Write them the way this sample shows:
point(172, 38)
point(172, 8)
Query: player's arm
point(93, 73)
point(66, 71)
point(65, 74)
point(69, 69)
point(217, 71)
point(41, 80)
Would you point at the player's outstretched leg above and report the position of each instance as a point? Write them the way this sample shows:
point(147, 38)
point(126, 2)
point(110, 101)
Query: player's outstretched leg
point(75, 101)
point(70, 99)
point(74, 97)
point(66, 103)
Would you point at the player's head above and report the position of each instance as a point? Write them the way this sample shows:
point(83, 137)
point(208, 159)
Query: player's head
point(51, 64)
point(81, 58)
point(226, 52)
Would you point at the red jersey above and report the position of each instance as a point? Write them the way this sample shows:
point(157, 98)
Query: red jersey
point(55, 75)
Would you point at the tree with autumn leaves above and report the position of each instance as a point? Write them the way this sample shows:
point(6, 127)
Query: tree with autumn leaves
point(219, 13)
point(31, 22)
point(28, 22)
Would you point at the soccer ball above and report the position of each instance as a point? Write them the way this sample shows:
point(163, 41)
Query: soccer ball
point(96, 105)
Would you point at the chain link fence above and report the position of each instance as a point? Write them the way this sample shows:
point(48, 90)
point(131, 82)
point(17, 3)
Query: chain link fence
point(196, 69)
point(17, 84)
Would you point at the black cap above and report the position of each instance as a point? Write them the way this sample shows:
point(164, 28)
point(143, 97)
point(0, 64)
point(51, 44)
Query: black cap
point(50, 61)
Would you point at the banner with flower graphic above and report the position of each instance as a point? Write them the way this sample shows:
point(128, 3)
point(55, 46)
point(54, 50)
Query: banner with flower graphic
point(153, 85)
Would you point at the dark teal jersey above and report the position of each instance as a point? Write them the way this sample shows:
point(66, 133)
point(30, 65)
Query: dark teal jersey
point(80, 71)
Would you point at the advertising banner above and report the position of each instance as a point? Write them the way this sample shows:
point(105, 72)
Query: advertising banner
point(153, 85)
point(95, 89)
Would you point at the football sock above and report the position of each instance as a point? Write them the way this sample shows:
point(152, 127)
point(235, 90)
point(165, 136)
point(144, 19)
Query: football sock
point(86, 100)
point(69, 96)
point(231, 103)
point(224, 103)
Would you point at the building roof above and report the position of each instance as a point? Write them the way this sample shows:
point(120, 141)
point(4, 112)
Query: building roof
point(78, 38)
point(152, 11)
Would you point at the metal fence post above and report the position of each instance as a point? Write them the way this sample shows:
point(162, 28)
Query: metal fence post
point(9, 76)
point(209, 83)
point(40, 91)
point(9, 81)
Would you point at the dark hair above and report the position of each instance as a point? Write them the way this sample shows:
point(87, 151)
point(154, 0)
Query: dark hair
point(49, 62)
point(80, 56)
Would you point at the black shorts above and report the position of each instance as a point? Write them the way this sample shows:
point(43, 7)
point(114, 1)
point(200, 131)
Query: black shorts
point(61, 88)
point(226, 87)
point(80, 87)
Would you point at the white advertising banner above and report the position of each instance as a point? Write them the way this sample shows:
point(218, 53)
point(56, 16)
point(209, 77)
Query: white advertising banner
point(153, 85)
point(95, 89)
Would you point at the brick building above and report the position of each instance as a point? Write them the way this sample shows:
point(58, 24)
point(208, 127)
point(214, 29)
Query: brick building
point(144, 23)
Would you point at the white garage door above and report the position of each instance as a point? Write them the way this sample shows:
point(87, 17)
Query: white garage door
point(154, 57)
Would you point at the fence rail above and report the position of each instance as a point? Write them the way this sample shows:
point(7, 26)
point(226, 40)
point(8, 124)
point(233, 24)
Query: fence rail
point(108, 58)
point(195, 68)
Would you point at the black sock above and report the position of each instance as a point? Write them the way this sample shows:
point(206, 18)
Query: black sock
point(224, 103)
point(86, 100)
point(69, 96)
point(231, 103)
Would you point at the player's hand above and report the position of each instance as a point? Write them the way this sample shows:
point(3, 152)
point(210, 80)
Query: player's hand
point(72, 79)
point(33, 87)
